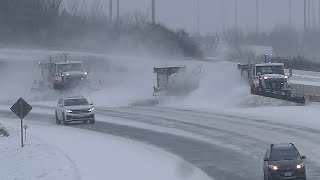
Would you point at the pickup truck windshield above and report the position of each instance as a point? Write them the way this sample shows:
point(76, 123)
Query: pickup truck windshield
point(75, 102)
point(279, 155)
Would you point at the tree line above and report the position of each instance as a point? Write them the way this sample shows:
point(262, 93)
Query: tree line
point(75, 24)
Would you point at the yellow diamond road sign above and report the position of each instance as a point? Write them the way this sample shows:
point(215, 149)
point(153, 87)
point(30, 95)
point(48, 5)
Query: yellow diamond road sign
point(21, 108)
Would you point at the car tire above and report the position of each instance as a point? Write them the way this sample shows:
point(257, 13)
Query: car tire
point(265, 177)
point(58, 121)
point(92, 121)
point(64, 122)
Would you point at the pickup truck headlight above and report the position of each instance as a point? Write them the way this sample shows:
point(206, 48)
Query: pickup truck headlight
point(91, 109)
point(68, 111)
point(273, 167)
point(299, 166)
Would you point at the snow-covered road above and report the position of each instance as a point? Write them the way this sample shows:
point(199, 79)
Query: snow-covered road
point(64, 153)
point(225, 145)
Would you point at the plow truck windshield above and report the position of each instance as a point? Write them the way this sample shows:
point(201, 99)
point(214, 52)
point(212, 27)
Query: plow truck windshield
point(270, 69)
point(69, 67)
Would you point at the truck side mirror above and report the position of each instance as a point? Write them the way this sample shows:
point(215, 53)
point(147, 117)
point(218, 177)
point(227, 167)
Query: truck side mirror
point(259, 74)
point(290, 72)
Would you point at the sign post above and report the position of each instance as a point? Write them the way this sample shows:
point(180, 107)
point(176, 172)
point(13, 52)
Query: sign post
point(25, 132)
point(21, 108)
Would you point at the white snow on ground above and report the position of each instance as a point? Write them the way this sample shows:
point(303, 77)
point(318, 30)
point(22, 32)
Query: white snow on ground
point(101, 156)
point(307, 116)
point(36, 160)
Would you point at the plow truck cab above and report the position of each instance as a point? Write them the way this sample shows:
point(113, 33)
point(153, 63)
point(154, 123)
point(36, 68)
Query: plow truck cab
point(270, 80)
point(68, 73)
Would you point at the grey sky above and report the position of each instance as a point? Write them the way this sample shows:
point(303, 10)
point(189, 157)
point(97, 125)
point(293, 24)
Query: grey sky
point(216, 14)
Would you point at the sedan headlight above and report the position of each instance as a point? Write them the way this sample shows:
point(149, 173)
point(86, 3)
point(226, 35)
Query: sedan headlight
point(91, 109)
point(68, 111)
point(273, 167)
point(299, 166)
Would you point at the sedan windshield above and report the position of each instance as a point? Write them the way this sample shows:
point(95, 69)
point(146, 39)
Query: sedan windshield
point(75, 102)
point(279, 155)
point(270, 70)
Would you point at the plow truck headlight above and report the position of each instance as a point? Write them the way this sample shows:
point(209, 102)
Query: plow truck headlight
point(286, 77)
point(68, 111)
point(85, 73)
point(273, 167)
point(265, 77)
point(67, 74)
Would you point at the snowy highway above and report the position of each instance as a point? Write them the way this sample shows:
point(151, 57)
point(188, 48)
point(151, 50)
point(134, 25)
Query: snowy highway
point(220, 128)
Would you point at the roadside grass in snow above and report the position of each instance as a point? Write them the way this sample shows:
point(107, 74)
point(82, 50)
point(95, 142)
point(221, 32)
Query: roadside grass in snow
point(3, 131)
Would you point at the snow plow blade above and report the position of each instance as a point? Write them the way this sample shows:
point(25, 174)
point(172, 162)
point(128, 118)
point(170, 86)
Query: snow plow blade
point(282, 96)
point(163, 75)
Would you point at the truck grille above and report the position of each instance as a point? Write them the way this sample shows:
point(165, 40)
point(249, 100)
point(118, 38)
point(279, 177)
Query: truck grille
point(276, 84)
point(80, 111)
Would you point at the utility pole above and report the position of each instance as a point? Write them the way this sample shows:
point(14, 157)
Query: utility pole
point(118, 11)
point(222, 17)
point(313, 16)
point(110, 10)
point(290, 12)
point(236, 13)
point(305, 15)
point(308, 14)
point(153, 9)
point(198, 17)
point(257, 16)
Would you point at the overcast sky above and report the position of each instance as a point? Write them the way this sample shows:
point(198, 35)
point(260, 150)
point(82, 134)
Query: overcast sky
point(218, 14)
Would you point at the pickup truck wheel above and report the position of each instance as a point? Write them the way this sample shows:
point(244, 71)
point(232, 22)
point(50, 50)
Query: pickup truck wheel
point(64, 122)
point(92, 121)
point(58, 121)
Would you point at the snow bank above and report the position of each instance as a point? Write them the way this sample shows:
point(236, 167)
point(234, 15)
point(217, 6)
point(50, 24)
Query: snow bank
point(36, 160)
point(101, 156)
